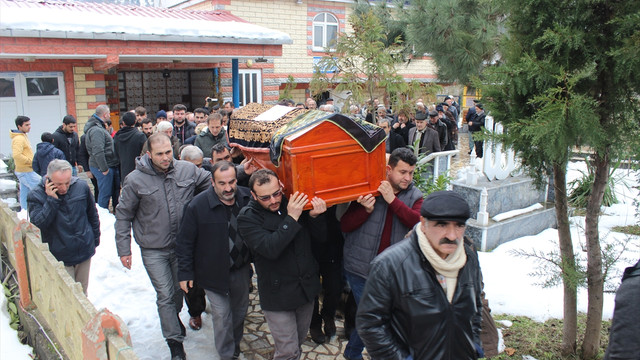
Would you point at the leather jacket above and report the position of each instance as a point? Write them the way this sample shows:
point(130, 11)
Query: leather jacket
point(404, 309)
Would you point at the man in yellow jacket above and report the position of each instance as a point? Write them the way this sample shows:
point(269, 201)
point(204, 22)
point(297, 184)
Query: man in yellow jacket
point(23, 157)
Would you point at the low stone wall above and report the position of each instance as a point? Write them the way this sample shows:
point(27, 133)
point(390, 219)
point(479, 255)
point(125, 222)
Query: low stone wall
point(82, 331)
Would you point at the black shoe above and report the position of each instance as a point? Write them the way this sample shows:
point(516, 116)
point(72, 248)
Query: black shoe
point(316, 335)
point(329, 328)
point(177, 350)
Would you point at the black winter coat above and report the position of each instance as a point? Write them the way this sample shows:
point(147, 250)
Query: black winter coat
point(69, 224)
point(404, 309)
point(288, 274)
point(624, 338)
point(203, 241)
point(478, 122)
point(68, 144)
point(128, 144)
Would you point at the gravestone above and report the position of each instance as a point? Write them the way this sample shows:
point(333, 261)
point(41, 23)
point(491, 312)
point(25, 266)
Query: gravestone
point(492, 187)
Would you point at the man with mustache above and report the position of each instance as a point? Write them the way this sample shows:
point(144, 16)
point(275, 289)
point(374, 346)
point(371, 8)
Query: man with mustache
point(279, 235)
point(211, 252)
point(422, 299)
point(372, 224)
point(152, 202)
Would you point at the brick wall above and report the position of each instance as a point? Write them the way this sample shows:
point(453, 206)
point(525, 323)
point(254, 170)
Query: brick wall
point(90, 92)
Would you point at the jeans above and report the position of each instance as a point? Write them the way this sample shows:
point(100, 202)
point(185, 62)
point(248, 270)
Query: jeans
point(105, 184)
point(162, 268)
point(471, 142)
point(229, 311)
point(28, 181)
point(354, 347)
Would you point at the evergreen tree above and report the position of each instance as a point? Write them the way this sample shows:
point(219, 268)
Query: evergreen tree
point(568, 76)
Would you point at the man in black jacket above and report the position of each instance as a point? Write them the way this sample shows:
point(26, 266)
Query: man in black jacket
point(624, 338)
point(279, 235)
point(475, 125)
point(128, 144)
point(66, 139)
point(64, 210)
point(211, 252)
point(423, 296)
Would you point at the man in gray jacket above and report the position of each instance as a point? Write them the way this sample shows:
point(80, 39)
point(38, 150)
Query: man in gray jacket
point(153, 199)
point(103, 161)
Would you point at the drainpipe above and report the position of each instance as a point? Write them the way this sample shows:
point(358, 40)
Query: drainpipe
point(235, 80)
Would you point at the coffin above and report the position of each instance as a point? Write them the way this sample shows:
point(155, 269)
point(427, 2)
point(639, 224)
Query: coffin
point(326, 155)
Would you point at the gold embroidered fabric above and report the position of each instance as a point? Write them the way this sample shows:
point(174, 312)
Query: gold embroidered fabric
point(246, 131)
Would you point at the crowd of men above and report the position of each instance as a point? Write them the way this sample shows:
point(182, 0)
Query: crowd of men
point(201, 217)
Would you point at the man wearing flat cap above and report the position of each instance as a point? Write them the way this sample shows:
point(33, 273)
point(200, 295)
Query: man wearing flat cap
point(423, 296)
point(476, 125)
point(426, 137)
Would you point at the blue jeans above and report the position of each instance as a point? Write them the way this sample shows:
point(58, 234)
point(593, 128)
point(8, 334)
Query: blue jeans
point(28, 181)
point(105, 184)
point(354, 347)
point(162, 268)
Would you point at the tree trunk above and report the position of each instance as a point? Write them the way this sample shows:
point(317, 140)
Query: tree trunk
point(595, 280)
point(569, 281)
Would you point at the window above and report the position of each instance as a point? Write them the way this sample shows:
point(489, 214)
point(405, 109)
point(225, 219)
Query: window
point(42, 86)
point(7, 88)
point(325, 31)
point(250, 86)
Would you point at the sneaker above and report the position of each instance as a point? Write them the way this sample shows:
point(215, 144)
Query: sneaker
point(195, 323)
point(177, 350)
point(316, 335)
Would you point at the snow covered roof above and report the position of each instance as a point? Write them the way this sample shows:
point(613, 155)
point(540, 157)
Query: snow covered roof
point(89, 20)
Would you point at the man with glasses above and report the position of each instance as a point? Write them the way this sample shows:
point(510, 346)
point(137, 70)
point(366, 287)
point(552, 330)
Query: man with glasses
point(279, 235)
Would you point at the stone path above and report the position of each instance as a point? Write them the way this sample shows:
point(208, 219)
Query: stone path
point(257, 343)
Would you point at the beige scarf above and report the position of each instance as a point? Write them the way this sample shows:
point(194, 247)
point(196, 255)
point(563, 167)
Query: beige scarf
point(448, 267)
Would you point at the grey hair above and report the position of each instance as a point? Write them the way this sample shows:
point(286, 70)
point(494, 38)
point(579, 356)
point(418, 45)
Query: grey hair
point(386, 119)
point(102, 109)
point(58, 165)
point(191, 152)
point(329, 108)
point(163, 126)
point(354, 107)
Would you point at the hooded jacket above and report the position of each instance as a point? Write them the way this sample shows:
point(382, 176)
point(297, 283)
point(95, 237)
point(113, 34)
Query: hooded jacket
point(45, 152)
point(153, 202)
point(99, 145)
point(69, 224)
point(68, 143)
point(128, 144)
point(22, 152)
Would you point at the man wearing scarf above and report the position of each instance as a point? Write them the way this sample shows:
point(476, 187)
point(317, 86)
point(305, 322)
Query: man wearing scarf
point(422, 299)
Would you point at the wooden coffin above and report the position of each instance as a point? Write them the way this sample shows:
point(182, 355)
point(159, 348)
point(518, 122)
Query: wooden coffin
point(324, 160)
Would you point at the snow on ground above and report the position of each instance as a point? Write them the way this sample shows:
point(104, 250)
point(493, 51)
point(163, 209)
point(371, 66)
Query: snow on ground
point(508, 286)
point(10, 345)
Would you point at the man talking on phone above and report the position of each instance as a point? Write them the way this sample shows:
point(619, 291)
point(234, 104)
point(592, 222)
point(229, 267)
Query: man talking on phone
point(65, 211)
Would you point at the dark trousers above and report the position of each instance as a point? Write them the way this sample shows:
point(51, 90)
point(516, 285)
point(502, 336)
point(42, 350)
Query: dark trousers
point(196, 301)
point(331, 273)
point(479, 148)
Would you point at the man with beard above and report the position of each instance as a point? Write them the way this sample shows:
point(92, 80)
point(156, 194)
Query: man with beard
point(147, 127)
point(423, 296)
point(372, 224)
point(403, 125)
point(279, 235)
point(182, 128)
point(66, 139)
point(153, 200)
point(211, 252)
